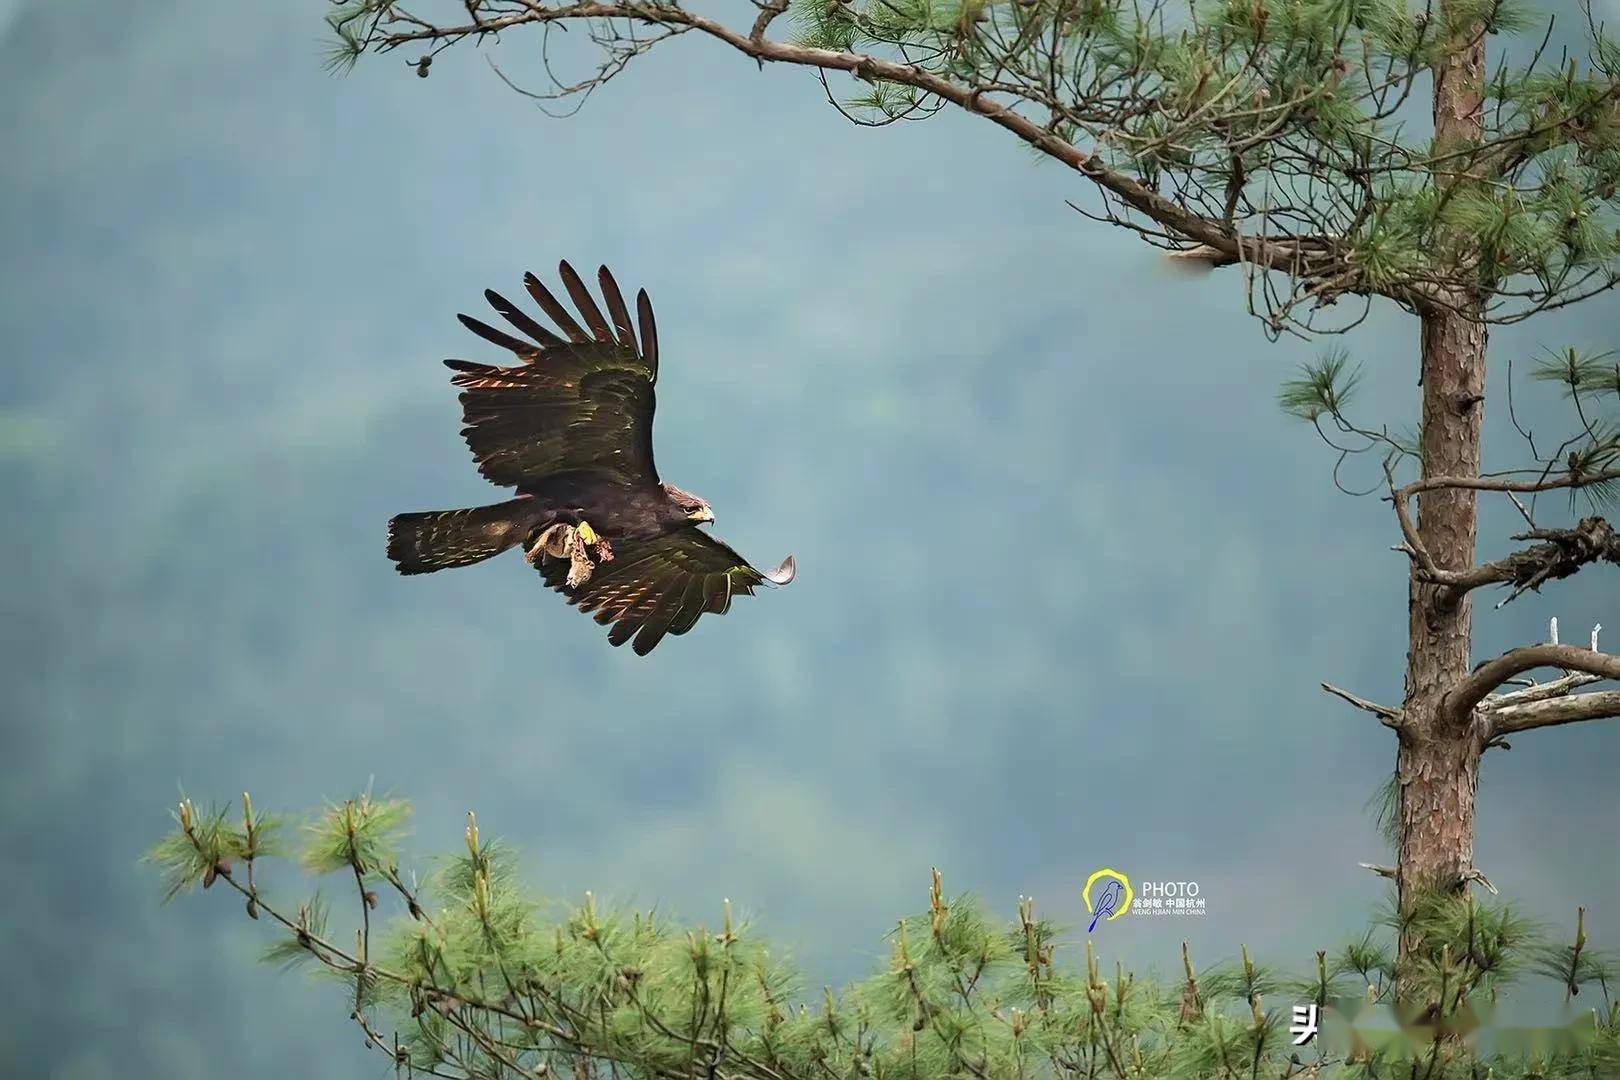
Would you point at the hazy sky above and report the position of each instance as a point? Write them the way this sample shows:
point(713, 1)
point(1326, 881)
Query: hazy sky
point(1068, 578)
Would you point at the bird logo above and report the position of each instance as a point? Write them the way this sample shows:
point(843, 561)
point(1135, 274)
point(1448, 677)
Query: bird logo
point(1112, 901)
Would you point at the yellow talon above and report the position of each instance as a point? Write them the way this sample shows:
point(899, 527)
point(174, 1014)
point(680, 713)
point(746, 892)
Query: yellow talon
point(587, 535)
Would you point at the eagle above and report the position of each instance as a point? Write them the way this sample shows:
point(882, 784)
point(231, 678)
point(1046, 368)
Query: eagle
point(569, 427)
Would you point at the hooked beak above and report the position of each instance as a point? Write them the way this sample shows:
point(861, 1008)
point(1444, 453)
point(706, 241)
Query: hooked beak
point(701, 515)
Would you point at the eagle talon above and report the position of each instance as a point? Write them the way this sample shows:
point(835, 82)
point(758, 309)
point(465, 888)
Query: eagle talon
point(577, 544)
point(536, 550)
point(549, 541)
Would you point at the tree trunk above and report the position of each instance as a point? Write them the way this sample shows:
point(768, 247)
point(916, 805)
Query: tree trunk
point(1437, 768)
point(1438, 763)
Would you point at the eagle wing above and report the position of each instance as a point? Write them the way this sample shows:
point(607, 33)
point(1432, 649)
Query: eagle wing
point(662, 586)
point(580, 401)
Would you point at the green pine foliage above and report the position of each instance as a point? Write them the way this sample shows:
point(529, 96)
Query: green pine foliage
point(472, 975)
point(1293, 138)
point(1293, 119)
point(1297, 133)
point(209, 842)
point(1324, 387)
point(362, 833)
point(1578, 371)
point(1589, 455)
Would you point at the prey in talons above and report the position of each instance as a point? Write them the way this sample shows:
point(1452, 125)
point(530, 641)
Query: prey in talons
point(583, 547)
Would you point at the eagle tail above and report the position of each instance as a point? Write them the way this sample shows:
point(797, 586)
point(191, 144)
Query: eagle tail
point(438, 540)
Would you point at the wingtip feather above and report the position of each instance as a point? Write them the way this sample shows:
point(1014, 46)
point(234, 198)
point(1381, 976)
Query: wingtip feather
point(784, 573)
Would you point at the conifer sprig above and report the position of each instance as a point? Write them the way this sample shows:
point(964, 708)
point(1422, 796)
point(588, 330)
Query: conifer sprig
point(470, 979)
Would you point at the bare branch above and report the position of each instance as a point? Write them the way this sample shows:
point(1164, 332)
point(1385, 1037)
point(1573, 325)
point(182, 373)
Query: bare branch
point(1506, 483)
point(1462, 699)
point(1473, 873)
point(1507, 719)
point(1237, 162)
point(1023, 77)
point(767, 15)
point(1562, 553)
point(1542, 691)
point(1202, 255)
point(1390, 718)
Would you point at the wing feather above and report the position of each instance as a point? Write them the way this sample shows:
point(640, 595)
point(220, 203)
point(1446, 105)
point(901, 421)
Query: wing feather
point(620, 633)
point(583, 404)
point(585, 303)
point(623, 328)
point(520, 319)
point(664, 612)
point(691, 607)
point(554, 309)
point(717, 593)
point(649, 332)
point(500, 337)
point(655, 588)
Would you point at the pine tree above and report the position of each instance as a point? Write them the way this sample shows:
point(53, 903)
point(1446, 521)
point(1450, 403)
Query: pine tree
point(1287, 139)
point(469, 979)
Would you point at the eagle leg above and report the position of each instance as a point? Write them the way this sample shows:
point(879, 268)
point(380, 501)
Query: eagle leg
point(577, 544)
point(553, 540)
point(536, 550)
point(580, 565)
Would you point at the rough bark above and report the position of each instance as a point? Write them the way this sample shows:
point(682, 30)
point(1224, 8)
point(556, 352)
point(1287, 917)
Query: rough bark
point(1437, 767)
point(1438, 762)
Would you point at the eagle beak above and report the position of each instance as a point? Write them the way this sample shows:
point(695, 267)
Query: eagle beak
point(702, 514)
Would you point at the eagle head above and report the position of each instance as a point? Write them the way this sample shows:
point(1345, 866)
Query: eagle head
point(693, 507)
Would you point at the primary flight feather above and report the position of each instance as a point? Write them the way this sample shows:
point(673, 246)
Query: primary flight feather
point(570, 428)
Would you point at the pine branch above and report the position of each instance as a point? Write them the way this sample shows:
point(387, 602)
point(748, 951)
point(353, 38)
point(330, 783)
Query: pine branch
point(1562, 553)
point(1390, 718)
point(1462, 699)
point(489, 989)
point(1601, 705)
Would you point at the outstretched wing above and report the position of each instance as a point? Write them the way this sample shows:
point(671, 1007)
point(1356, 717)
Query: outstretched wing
point(657, 587)
point(579, 401)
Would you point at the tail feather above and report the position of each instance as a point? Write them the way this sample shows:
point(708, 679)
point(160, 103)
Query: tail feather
point(438, 540)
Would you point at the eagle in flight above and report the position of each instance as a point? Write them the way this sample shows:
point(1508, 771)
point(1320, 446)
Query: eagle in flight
point(570, 428)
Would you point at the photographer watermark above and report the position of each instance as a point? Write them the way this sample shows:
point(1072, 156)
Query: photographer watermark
point(1109, 895)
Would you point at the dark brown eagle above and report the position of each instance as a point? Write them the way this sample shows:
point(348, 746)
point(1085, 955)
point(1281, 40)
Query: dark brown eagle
point(570, 427)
